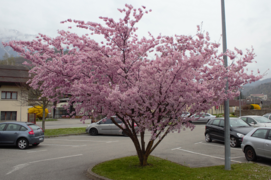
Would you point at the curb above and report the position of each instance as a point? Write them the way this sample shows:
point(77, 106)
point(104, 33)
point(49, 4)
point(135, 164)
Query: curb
point(91, 175)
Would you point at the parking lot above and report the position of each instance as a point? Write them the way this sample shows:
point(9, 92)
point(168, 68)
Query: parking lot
point(68, 157)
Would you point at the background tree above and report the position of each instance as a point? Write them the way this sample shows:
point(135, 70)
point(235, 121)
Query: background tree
point(119, 77)
point(7, 60)
point(35, 98)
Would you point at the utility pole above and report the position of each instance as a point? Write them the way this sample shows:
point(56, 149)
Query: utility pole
point(240, 103)
point(226, 102)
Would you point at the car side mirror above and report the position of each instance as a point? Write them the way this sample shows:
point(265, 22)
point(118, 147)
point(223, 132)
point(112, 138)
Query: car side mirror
point(252, 123)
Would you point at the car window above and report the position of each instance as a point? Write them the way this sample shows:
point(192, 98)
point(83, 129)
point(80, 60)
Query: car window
point(2, 126)
point(221, 123)
point(117, 120)
point(216, 122)
point(261, 119)
point(207, 115)
point(238, 123)
point(260, 133)
point(250, 120)
point(107, 121)
point(265, 116)
point(13, 127)
point(269, 135)
point(33, 126)
point(244, 118)
point(270, 117)
point(23, 128)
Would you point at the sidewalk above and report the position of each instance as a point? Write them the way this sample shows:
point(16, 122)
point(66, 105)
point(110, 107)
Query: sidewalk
point(64, 123)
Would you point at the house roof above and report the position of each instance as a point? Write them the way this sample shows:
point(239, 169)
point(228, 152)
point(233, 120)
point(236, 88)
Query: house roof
point(13, 74)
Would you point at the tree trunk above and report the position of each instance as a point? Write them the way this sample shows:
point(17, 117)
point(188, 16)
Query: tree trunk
point(43, 118)
point(144, 160)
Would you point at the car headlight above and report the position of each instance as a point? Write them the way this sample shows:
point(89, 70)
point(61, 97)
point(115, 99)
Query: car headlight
point(240, 135)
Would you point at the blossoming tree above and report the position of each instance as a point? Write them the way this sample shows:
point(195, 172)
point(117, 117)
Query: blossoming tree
point(118, 77)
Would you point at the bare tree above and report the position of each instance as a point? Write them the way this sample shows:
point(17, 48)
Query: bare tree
point(34, 98)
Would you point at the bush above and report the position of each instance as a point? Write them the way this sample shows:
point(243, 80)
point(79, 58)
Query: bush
point(38, 111)
point(256, 106)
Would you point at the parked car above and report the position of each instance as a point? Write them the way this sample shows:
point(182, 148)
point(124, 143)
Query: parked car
point(257, 143)
point(203, 118)
point(257, 121)
point(185, 113)
point(214, 130)
point(105, 126)
point(20, 134)
point(268, 116)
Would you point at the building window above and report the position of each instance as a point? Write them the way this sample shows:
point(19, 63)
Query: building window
point(8, 95)
point(8, 115)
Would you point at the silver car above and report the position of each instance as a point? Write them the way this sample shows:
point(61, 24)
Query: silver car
point(105, 126)
point(257, 121)
point(268, 116)
point(204, 118)
point(257, 143)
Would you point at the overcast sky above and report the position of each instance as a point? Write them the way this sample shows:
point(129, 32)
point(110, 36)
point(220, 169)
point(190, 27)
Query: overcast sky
point(247, 21)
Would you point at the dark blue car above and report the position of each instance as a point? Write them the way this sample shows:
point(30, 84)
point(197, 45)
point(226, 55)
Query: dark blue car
point(21, 134)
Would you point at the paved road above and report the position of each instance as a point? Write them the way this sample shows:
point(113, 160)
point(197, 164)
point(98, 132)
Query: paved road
point(68, 157)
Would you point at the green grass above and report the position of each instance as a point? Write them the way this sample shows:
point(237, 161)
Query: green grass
point(222, 115)
point(127, 169)
point(64, 131)
point(48, 119)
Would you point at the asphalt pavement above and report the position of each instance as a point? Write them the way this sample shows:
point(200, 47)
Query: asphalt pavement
point(69, 157)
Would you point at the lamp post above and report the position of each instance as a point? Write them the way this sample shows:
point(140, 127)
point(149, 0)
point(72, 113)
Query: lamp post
point(226, 102)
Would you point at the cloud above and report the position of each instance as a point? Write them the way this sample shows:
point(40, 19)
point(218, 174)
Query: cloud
point(248, 22)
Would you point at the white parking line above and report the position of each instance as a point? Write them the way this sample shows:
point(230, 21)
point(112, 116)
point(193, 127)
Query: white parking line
point(216, 145)
point(36, 151)
point(66, 145)
point(81, 140)
point(20, 166)
point(202, 154)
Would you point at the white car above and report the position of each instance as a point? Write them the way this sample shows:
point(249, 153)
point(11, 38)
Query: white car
point(257, 143)
point(204, 118)
point(106, 126)
point(257, 121)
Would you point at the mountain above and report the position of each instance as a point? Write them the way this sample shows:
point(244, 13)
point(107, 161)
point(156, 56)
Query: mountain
point(7, 35)
point(248, 88)
point(261, 89)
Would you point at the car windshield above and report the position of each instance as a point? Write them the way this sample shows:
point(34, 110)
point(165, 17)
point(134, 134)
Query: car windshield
point(238, 123)
point(261, 119)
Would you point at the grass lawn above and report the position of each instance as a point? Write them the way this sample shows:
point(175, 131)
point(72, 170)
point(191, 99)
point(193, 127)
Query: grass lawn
point(64, 131)
point(127, 169)
point(48, 119)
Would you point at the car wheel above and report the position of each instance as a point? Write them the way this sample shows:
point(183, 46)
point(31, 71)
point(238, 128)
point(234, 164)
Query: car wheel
point(250, 154)
point(93, 132)
point(233, 142)
point(35, 144)
point(22, 143)
point(208, 137)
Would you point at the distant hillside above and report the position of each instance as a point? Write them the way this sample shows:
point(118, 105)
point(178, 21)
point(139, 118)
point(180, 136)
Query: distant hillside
point(16, 61)
point(248, 87)
point(261, 89)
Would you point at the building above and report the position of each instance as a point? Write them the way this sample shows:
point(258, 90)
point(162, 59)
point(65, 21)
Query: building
point(12, 108)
